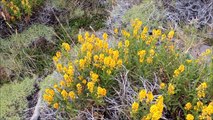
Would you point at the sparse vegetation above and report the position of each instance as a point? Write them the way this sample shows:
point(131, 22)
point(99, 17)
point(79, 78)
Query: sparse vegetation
point(23, 53)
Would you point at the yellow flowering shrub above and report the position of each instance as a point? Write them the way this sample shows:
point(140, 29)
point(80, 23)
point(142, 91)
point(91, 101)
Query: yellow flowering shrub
point(16, 9)
point(89, 73)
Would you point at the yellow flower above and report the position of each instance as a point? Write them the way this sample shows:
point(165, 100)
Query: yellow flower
point(86, 35)
point(171, 89)
point(207, 52)
point(149, 96)
point(49, 92)
point(112, 63)
point(156, 33)
point(152, 52)
point(95, 57)
point(204, 85)
point(80, 38)
point(94, 76)
point(188, 61)
point(142, 95)
point(109, 72)
point(64, 94)
point(145, 30)
point(82, 63)
point(135, 106)
point(66, 46)
point(207, 110)
point(143, 36)
point(62, 83)
point(67, 78)
point(181, 68)
point(107, 61)
point(189, 117)
point(84, 81)
point(115, 55)
point(48, 98)
point(56, 105)
point(116, 30)
point(126, 43)
point(70, 71)
point(176, 73)
point(156, 112)
point(201, 90)
point(57, 88)
point(90, 86)
point(110, 51)
point(188, 106)
point(163, 37)
point(201, 94)
point(159, 102)
point(79, 88)
point(90, 47)
point(59, 67)
point(72, 95)
point(58, 54)
point(171, 34)
point(199, 104)
point(80, 77)
point(162, 85)
point(153, 108)
point(141, 60)
point(105, 36)
point(55, 59)
point(120, 44)
point(101, 57)
point(119, 62)
point(142, 53)
point(101, 92)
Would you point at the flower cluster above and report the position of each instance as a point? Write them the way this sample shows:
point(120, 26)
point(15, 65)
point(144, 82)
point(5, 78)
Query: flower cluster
point(16, 9)
point(179, 70)
point(81, 75)
point(89, 69)
point(171, 89)
point(155, 110)
point(200, 110)
point(201, 90)
point(13, 9)
point(48, 96)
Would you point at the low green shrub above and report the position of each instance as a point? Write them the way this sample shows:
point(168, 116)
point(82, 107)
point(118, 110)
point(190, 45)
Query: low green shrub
point(14, 99)
point(148, 12)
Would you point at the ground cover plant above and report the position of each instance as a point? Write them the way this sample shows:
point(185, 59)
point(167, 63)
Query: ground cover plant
point(165, 83)
point(13, 99)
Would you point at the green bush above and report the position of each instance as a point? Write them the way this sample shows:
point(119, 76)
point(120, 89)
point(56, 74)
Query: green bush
point(14, 99)
point(148, 12)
